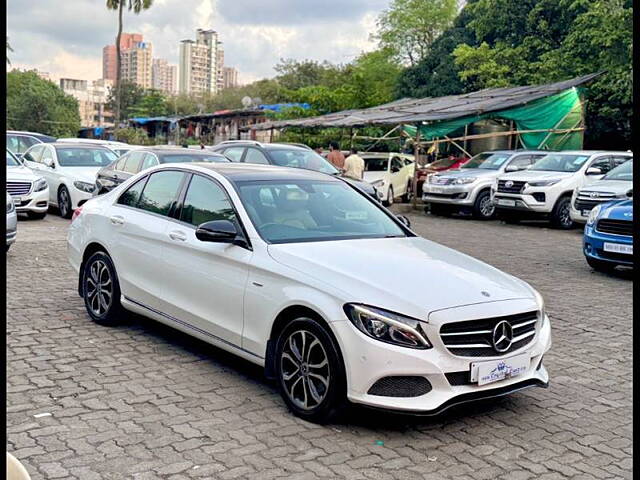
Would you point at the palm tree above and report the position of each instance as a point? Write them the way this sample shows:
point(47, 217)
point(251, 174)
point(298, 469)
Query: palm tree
point(10, 49)
point(132, 5)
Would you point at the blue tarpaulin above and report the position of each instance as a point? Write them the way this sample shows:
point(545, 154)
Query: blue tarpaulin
point(276, 107)
point(143, 120)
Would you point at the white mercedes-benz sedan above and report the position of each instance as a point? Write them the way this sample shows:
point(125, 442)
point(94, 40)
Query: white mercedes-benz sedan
point(299, 272)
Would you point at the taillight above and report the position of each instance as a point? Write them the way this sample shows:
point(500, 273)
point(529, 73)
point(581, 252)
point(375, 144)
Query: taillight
point(76, 213)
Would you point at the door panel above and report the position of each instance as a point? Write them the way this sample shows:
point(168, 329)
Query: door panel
point(208, 279)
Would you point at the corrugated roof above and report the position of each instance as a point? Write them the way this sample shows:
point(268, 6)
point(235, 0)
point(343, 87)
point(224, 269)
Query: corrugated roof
point(411, 110)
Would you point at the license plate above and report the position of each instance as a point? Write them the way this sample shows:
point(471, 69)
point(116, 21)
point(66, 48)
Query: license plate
point(506, 203)
point(585, 213)
point(437, 190)
point(618, 248)
point(496, 370)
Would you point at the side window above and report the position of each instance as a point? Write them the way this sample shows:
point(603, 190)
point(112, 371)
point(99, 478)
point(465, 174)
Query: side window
point(148, 161)
point(396, 164)
point(535, 158)
point(132, 164)
point(620, 160)
point(20, 143)
point(13, 144)
point(206, 201)
point(132, 195)
point(234, 153)
point(34, 154)
point(47, 154)
point(603, 163)
point(521, 162)
point(407, 162)
point(119, 166)
point(161, 191)
point(255, 156)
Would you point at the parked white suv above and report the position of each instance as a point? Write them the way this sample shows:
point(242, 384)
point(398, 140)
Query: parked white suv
point(306, 275)
point(615, 185)
point(30, 192)
point(545, 189)
point(469, 187)
point(70, 171)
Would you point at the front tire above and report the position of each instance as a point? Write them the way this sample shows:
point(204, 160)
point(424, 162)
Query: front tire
point(36, 215)
point(64, 202)
point(561, 215)
point(408, 196)
point(101, 290)
point(310, 371)
point(389, 201)
point(483, 208)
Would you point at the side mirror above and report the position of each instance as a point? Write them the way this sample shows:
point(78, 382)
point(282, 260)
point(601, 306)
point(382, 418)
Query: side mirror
point(404, 220)
point(593, 171)
point(49, 163)
point(221, 231)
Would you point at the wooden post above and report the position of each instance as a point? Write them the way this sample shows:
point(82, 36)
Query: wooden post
point(350, 137)
point(466, 132)
point(271, 136)
point(414, 183)
point(510, 136)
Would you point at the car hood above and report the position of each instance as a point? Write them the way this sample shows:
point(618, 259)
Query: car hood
point(409, 275)
point(617, 187)
point(526, 175)
point(469, 172)
point(620, 210)
point(21, 174)
point(373, 176)
point(83, 174)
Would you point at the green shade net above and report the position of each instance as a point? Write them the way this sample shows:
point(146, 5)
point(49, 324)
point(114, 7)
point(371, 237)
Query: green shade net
point(560, 111)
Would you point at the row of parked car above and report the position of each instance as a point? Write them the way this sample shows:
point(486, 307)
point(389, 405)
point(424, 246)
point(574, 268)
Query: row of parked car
point(591, 188)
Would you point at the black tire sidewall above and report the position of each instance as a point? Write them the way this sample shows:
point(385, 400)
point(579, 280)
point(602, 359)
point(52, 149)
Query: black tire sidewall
point(69, 212)
point(335, 400)
point(476, 206)
point(113, 316)
point(555, 216)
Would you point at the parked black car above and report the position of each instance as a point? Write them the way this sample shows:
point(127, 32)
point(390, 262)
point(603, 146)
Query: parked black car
point(140, 159)
point(285, 155)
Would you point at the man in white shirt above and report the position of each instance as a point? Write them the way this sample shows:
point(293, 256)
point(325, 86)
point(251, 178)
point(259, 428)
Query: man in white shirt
point(354, 165)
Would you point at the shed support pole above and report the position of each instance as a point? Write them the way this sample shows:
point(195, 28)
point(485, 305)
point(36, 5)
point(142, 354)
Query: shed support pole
point(414, 182)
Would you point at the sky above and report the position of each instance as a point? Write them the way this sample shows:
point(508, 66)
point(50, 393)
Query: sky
point(65, 38)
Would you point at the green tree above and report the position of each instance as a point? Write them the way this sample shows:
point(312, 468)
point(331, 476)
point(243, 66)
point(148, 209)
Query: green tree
point(39, 105)
point(409, 27)
point(152, 104)
point(127, 96)
point(132, 5)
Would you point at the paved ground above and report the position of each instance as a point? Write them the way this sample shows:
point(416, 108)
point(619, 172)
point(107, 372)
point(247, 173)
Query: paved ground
point(143, 401)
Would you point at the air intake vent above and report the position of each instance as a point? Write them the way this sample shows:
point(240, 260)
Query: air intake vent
point(400, 387)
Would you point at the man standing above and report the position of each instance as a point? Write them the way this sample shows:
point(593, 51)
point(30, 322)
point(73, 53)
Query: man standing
point(335, 156)
point(354, 165)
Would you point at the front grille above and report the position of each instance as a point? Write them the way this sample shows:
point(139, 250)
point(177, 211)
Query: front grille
point(585, 202)
point(617, 227)
point(442, 180)
point(473, 338)
point(400, 387)
point(18, 188)
point(514, 187)
point(621, 257)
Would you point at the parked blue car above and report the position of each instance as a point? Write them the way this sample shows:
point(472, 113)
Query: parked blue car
point(608, 235)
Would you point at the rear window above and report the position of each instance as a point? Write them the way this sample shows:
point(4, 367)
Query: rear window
point(189, 158)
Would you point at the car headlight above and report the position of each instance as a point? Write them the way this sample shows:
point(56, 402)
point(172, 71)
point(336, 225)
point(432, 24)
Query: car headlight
point(85, 187)
point(39, 185)
point(10, 206)
point(543, 183)
point(464, 180)
point(593, 214)
point(432, 178)
point(387, 326)
point(540, 302)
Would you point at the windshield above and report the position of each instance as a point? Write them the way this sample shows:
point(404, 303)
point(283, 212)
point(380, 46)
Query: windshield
point(85, 157)
point(187, 158)
point(487, 161)
point(309, 210)
point(307, 159)
point(373, 164)
point(621, 172)
point(11, 160)
point(444, 163)
point(558, 162)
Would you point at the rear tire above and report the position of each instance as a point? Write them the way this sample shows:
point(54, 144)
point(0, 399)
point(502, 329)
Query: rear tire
point(36, 215)
point(561, 216)
point(310, 371)
point(483, 209)
point(101, 290)
point(64, 202)
point(600, 265)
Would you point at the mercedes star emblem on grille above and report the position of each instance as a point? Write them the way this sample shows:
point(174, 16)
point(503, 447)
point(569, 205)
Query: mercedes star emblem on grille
point(502, 336)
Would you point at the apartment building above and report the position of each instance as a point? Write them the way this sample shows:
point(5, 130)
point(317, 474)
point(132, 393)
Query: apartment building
point(137, 64)
point(164, 76)
point(92, 99)
point(109, 67)
point(199, 61)
point(229, 77)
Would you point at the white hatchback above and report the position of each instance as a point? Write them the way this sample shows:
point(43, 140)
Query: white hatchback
point(390, 173)
point(301, 273)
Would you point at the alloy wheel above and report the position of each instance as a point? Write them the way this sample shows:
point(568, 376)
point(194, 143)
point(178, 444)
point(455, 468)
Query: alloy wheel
point(63, 202)
point(564, 215)
point(487, 207)
point(99, 288)
point(305, 372)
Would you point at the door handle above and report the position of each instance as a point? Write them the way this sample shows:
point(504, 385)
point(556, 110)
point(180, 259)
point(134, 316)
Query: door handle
point(117, 220)
point(178, 236)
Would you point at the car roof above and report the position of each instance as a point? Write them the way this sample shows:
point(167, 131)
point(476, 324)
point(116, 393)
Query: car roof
point(95, 141)
point(168, 149)
point(78, 145)
point(238, 172)
point(33, 134)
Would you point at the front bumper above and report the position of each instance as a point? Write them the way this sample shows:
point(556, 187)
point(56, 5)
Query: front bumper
point(593, 246)
point(576, 215)
point(79, 195)
point(523, 202)
point(37, 202)
point(370, 360)
point(12, 227)
point(449, 194)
